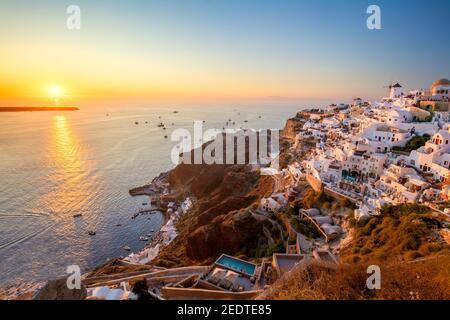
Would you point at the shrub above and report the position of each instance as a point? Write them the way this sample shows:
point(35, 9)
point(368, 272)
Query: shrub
point(415, 142)
point(365, 251)
point(397, 232)
point(277, 247)
point(412, 255)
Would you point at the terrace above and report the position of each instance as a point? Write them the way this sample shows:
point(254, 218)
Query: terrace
point(284, 263)
point(232, 274)
point(222, 279)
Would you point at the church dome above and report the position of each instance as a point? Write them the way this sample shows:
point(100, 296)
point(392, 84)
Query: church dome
point(440, 82)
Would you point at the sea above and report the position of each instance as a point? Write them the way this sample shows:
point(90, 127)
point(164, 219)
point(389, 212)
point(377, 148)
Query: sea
point(54, 165)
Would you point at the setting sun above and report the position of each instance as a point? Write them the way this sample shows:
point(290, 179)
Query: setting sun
point(55, 91)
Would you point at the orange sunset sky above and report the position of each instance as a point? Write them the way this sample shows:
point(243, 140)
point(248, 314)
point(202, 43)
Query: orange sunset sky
point(219, 50)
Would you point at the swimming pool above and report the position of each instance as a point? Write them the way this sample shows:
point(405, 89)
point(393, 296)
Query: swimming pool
point(237, 265)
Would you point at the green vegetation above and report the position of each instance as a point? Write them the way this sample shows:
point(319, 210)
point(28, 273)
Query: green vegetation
point(413, 144)
point(321, 199)
point(404, 232)
point(306, 228)
point(429, 118)
point(311, 198)
point(265, 250)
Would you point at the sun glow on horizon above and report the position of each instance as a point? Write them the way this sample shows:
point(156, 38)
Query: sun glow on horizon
point(55, 91)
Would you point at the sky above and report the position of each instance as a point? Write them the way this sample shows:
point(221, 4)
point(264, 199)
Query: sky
point(219, 49)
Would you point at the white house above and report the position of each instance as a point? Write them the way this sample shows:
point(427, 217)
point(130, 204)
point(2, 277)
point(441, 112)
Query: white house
point(433, 157)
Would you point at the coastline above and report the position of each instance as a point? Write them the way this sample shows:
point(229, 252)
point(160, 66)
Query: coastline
point(34, 109)
point(166, 234)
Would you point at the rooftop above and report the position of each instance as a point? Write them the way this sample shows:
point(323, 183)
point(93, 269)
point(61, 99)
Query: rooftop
point(441, 82)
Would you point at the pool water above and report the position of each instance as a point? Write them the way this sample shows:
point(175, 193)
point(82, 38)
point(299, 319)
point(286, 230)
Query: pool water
point(236, 265)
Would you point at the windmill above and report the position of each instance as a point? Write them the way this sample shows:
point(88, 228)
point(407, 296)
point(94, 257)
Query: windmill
point(393, 86)
point(389, 88)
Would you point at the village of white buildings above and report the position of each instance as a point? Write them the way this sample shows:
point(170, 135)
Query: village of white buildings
point(360, 150)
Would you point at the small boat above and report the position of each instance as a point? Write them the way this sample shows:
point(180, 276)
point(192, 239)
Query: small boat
point(144, 203)
point(77, 215)
point(127, 248)
point(118, 225)
point(92, 233)
point(149, 234)
point(142, 238)
point(152, 230)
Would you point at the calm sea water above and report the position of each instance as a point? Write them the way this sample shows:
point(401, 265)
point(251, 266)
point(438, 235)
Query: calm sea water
point(57, 164)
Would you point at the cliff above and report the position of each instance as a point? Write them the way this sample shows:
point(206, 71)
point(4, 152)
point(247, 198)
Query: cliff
point(293, 126)
point(221, 221)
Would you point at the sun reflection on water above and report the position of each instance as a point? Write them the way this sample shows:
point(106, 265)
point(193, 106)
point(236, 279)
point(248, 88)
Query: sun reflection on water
point(70, 191)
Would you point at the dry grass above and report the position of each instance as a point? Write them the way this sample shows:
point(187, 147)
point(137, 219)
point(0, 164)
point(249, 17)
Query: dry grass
point(428, 279)
point(404, 241)
point(405, 232)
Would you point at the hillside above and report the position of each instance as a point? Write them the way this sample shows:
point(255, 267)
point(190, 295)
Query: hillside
point(407, 243)
point(220, 222)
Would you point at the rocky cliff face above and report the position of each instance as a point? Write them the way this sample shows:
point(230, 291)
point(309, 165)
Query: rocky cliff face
point(292, 127)
point(231, 233)
point(221, 221)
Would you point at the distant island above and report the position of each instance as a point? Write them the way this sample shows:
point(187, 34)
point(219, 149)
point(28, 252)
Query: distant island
point(19, 109)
